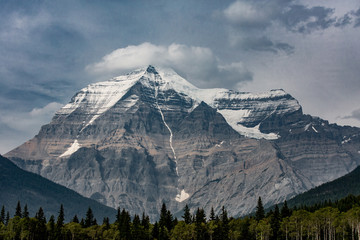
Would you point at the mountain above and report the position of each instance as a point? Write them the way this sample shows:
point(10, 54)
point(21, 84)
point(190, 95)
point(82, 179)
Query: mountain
point(149, 137)
point(334, 190)
point(36, 191)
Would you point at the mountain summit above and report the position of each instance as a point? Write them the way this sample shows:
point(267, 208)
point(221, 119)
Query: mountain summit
point(150, 136)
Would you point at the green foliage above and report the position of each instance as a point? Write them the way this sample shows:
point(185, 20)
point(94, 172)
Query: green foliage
point(324, 223)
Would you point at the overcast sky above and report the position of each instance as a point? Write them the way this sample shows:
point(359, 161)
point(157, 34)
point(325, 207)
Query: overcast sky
point(51, 49)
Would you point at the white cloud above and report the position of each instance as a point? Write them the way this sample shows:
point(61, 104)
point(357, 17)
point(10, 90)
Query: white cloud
point(30, 122)
point(198, 64)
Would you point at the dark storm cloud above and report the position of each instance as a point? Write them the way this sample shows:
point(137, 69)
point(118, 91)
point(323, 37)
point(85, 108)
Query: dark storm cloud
point(265, 44)
point(356, 15)
point(250, 19)
point(354, 115)
point(343, 21)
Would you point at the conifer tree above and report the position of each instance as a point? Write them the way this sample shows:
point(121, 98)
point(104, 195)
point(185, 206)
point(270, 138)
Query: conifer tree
point(7, 219)
point(106, 223)
point(41, 230)
point(285, 211)
point(155, 231)
point(25, 214)
point(89, 220)
point(60, 223)
point(75, 219)
point(51, 230)
point(118, 215)
point(2, 215)
point(260, 212)
point(40, 215)
point(225, 224)
point(18, 210)
point(145, 222)
point(275, 223)
point(212, 214)
point(61, 217)
point(187, 215)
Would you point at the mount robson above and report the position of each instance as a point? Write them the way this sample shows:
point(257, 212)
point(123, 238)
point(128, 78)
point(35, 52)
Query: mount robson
point(150, 137)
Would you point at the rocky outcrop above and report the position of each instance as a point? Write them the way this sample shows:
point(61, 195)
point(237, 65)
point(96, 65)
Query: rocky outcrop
point(150, 137)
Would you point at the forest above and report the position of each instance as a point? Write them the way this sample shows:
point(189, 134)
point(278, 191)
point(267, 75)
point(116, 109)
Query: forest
point(324, 221)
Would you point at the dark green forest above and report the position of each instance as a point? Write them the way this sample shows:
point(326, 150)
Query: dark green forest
point(324, 221)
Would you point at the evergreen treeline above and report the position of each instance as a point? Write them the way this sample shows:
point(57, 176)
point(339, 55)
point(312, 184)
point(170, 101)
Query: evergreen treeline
point(327, 221)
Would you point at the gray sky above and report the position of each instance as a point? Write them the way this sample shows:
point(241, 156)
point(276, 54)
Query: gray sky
point(51, 49)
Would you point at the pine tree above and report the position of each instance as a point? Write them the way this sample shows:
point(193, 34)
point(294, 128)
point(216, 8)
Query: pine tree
point(187, 215)
point(89, 220)
point(106, 223)
point(61, 217)
point(145, 222)
point(7, 219)
point(285, 211)
point(18, 210)
point(51, 229)
point(60, 223)
point(212, 214)
point(2, 215)
point(260, 212)
point(26, 212)
point(41, 230)
point(75, 219)
point(275, 223)
point(200, 224)
point(225, 224)
point(155, 231)
point(40, 215)
point(118, 215)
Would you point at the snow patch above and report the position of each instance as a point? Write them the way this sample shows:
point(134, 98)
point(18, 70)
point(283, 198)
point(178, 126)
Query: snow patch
point(314, 129)
point(346, 140)
point(219, 145)
point(234, 116)
point(307, 127)
point(74, 147)
point(182, 196)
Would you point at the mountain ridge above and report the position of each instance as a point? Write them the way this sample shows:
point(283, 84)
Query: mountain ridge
point(160, 139)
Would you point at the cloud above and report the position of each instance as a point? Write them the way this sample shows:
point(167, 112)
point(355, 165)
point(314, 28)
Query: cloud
point(29, 122)
point(252, 23)
point(356, 14)
point(354, 115)
point(197, 64)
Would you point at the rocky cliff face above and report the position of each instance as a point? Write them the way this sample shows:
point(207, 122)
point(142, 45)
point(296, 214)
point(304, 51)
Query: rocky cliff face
point(150, 137)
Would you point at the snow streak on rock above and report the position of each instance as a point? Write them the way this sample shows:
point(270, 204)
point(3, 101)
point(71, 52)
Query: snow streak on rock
point(167, 126)
point(74, 147)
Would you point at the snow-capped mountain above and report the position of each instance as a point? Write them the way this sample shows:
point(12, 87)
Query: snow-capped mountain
point(149, 137)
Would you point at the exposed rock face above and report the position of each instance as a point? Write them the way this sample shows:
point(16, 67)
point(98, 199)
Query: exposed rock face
point(150, 137)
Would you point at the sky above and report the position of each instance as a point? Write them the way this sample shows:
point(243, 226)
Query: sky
point(51, 49)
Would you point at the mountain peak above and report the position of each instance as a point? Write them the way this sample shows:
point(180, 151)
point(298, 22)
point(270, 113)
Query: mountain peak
point(151, 69)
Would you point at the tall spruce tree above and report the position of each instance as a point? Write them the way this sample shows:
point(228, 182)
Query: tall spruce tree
point(212, 214)
point(285, 211)
point(25, 214)
point(60, 223)
point(275, 223)
point(7, 218)
point(18, 212)
point(89, 219)
point(187, 215)
point(260, 211)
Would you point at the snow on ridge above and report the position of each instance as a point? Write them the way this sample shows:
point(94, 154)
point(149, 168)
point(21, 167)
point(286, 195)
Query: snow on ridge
point(97, 98)
point(233, 117)
point(73, 148)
